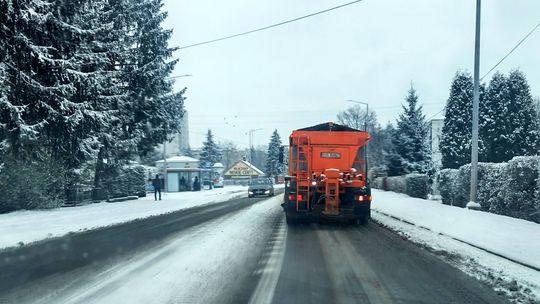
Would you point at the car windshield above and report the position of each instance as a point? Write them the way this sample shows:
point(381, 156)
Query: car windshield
point(260, 182)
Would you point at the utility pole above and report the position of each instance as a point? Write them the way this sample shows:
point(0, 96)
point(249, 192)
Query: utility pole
point(473, 204)
point(251, 143)
point(165, 186)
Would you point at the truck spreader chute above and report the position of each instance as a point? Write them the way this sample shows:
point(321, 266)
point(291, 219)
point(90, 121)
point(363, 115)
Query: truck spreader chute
point(327, 175)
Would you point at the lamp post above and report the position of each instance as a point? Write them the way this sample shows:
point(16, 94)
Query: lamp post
point(250, 132)
point(367, 111)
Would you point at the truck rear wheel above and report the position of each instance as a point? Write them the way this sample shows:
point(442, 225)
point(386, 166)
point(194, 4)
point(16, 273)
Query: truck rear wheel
point(363, 220)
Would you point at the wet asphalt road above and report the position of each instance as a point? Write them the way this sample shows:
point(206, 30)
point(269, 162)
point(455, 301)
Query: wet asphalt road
point(269, 263)
point(368, 264)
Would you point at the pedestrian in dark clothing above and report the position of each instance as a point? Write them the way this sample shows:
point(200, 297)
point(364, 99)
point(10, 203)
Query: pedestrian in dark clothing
point(156, 182)
point(196, 184)
point(183, 184)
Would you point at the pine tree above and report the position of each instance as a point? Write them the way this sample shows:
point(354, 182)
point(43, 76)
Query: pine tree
point(410, 138)
point(273, 166)
point(493, 112)
point(522, 128)
point(155, 110)
point(455, 144)
point(24, 107)
point(395, 163)
point(188, 152)
point(210, 153)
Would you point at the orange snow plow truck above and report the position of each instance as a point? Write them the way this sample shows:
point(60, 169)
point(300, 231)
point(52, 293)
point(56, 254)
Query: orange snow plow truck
point(327, 175)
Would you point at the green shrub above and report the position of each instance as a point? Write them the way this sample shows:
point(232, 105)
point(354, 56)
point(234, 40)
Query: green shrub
point(31, 184)
point(417, 185)
point(128, 180)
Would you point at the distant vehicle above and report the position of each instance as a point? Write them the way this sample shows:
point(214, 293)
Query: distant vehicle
point(261, 186)
point(327, 175)
point(218, 182)
point(207, 185)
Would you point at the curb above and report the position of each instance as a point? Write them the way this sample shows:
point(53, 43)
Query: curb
point(459, 240)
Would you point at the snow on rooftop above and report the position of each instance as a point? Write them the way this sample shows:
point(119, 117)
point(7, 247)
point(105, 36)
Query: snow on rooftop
point(179, 159)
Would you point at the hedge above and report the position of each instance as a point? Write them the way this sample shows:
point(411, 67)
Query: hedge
point(415, 185)
point(31, 184)
point(126, 181)
point(511, 188)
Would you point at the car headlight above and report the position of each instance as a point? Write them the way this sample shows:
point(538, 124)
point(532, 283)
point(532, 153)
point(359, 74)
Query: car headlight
point(250, 192)
point(267, 191)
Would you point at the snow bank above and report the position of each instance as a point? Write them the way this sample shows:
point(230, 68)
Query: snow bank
point(22, 227)
point(513, 238)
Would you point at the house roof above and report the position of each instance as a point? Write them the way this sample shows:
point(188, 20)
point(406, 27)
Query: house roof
point(179, 159)
point(247, 164)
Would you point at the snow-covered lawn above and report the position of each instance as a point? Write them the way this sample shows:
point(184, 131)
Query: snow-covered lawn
point(23, 227)
point(445, 228)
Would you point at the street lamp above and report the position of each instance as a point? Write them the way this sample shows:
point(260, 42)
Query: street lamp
point(251, 143)
point(367, 111)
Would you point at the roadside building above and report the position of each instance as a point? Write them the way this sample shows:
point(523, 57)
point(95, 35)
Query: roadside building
point(179, 172)
point(242, 171)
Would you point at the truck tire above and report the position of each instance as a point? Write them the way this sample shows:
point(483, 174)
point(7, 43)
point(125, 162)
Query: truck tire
point(363, 220)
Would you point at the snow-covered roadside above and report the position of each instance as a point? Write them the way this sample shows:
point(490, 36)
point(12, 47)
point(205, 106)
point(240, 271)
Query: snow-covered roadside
point(23, 227)
point(443, 229)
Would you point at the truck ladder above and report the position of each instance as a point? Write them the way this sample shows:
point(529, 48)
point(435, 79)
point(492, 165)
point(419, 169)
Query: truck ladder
point(302, 173)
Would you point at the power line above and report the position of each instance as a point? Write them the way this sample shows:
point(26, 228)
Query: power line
point(500, 61)
point(511, 51)
point(269, 26)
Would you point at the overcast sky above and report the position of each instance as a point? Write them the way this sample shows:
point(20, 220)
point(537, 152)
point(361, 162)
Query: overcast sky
point(301, 74)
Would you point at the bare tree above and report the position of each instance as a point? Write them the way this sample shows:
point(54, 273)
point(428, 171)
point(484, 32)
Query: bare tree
point(355, 117)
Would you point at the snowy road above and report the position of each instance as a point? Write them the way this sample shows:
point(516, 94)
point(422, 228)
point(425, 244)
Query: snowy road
point(242, 252)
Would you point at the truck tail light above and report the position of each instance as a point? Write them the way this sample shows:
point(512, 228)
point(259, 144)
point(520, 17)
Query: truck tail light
point(362, 198)
point(298, 197)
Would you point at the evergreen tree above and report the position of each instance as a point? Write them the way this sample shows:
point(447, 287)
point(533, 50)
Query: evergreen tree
point(508, 124)
point(455, 144)
point(210, 153)
point(379, 146)
point(188, 152)
point(537, 107)
point(410, 139)
point(273, 166)
point(395, 163)
point(155, 111)
point(493, 111)
point(522, 129)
